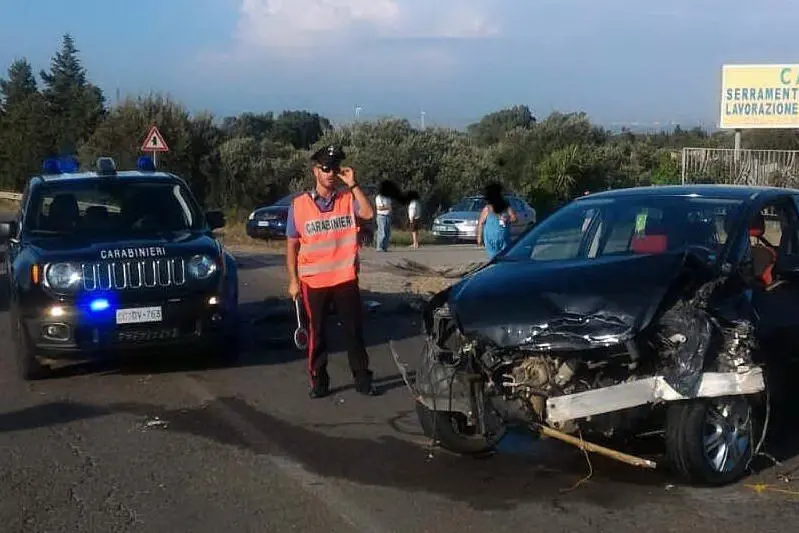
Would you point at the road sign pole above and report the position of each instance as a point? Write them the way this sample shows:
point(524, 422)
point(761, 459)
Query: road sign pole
point(155, 158)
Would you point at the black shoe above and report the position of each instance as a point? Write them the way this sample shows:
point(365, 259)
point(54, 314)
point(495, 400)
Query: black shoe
point(366, 387)
point(320, 387)
point(319, 391)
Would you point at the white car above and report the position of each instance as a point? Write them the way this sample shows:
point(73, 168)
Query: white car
point(460, 221)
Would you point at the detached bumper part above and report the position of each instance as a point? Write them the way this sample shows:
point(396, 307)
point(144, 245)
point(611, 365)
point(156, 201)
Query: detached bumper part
point(650, 390)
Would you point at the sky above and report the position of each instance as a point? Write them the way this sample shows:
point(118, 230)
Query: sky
point(620, 61)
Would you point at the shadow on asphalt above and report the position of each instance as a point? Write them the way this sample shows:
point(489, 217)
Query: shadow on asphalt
point(548, 471)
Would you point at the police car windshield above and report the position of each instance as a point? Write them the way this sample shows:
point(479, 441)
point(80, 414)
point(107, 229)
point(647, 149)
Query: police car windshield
point(112, 209)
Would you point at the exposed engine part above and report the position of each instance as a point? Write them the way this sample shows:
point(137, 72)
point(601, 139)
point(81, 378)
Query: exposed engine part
point(740, 343)
point(565, 373)
point(531, 381)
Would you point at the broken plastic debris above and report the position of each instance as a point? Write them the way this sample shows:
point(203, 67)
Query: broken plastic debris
point(372, 305)
point(156, 423)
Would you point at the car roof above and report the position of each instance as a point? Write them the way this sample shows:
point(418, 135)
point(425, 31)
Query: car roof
point(119, 175)
point(737, 192)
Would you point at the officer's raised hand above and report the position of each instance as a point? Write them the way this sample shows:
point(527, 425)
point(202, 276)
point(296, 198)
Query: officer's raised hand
point(347, 175)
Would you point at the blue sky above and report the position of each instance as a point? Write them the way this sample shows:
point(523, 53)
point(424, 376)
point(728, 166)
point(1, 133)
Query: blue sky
point(618, 60)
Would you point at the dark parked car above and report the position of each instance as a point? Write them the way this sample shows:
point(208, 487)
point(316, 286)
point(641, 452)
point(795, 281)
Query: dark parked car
point(108, 261)
point(658, 310)
point(269, 222)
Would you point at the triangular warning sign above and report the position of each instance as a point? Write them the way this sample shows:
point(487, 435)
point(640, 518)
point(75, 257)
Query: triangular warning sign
point(155, 142)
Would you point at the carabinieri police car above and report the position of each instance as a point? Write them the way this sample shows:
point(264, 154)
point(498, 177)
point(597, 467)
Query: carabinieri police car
point(108, 261)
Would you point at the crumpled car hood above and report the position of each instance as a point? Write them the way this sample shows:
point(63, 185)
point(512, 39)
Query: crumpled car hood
point(564, 305)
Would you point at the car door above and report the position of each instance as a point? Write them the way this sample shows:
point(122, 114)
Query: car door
point(777, 305)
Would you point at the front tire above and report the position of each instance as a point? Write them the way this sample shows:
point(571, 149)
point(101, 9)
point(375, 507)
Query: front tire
point(28, 366)
point(451, 431)
point(710, 441)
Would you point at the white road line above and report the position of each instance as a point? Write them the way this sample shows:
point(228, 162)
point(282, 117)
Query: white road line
point(311, 483)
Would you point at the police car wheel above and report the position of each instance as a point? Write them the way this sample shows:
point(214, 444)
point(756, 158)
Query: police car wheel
point(28, 367)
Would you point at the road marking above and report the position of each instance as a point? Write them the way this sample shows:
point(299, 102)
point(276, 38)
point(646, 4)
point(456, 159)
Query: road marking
point(312, 484)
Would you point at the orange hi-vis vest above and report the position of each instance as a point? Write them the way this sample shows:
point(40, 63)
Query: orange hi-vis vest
point(328, 241)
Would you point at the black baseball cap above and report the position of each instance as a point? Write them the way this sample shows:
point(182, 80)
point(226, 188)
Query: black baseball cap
point(329, 156)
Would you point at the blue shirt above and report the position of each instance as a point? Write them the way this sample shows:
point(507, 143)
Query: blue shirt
point(324, 204)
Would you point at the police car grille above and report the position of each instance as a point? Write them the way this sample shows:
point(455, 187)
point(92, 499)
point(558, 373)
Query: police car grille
point(134, 274)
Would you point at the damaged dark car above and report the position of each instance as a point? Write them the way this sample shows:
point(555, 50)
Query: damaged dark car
point(657, 310)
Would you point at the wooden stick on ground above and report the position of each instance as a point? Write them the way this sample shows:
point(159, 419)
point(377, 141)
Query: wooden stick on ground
point(596, 448)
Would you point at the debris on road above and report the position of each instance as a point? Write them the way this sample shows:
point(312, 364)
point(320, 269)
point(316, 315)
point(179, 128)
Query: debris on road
point(156, 423)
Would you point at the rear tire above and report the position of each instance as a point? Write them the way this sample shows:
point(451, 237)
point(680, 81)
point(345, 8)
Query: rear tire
point(451, 431)
point(710, 441)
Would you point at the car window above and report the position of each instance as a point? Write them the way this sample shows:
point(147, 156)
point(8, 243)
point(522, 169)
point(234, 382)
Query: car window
point(601, 227)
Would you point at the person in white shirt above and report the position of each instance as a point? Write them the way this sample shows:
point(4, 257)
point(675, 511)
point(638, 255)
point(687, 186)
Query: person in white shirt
point(383, 212)
point(414, 216)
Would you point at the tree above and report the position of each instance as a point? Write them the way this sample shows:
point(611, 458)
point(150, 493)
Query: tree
point(24, 132)
point(20, 85)
point(75, 106)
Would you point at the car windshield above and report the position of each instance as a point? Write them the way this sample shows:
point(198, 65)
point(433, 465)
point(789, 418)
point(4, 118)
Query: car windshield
point(285, 201)
point(593, 228)
point(469, 204)
point(112, 208)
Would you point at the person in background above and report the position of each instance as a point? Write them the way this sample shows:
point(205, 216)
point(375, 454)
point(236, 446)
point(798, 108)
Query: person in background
point(414, 216)
point(322, 264)
point(494, 225)
point(383, 207)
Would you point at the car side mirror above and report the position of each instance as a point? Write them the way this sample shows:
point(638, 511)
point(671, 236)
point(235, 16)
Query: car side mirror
point(216, 219)
point(8, 229)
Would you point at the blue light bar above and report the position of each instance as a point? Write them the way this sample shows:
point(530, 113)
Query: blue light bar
point(68, 164)
point(100, 304)
point(50, 166)
point(145, 164)
point(106, 166)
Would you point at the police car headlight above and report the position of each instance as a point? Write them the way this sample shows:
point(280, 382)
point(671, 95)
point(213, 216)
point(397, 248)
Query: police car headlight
point(252, 216)
point(63, 276)
point(201, 267)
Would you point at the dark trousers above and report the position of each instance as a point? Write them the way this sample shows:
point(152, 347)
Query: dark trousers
point(346, 300)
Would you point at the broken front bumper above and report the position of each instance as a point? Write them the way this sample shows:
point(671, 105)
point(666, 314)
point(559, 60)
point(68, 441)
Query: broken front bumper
point(650, 390)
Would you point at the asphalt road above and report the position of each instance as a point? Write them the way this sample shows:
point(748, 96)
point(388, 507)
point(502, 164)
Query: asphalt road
point(178, 444)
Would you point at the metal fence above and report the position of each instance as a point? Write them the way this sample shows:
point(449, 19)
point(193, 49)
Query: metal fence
point(779, 168)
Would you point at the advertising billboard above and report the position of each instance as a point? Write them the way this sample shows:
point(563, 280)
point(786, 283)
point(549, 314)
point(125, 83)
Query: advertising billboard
point(759, 96)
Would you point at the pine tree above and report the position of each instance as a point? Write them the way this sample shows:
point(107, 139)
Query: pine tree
point(75, 106)
point(20, 84)
point(24, 126)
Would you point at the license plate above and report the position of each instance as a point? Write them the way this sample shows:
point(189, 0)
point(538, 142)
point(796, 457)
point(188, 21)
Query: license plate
point(263, 223)
point(139, 315)
point(447, 229)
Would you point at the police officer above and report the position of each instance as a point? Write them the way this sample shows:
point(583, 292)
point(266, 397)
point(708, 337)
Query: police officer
point(322, 262)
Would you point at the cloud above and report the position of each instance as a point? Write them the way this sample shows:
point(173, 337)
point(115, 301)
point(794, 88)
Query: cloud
point(290, 24)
